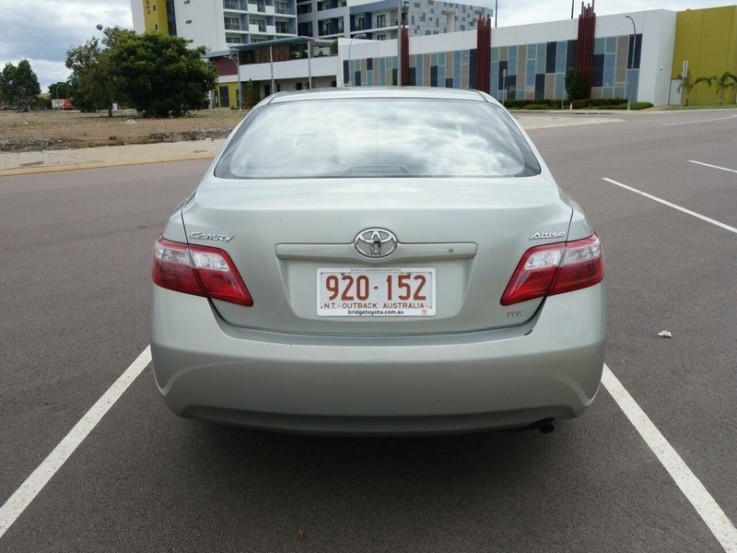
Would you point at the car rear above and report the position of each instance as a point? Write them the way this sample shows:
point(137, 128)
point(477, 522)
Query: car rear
point(378, 261)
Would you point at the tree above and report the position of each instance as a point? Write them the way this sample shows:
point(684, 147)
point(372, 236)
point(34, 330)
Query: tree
point(19, 85)
point(725, 82)
point(688, 83)
point(251, 95)
point(575, 87)
point(94, 85)
point(159, 76)
point(60, 90)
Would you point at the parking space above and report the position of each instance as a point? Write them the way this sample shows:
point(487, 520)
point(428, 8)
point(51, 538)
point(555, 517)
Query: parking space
point(75, 279)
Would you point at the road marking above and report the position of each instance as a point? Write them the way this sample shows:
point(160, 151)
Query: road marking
point(674, 206)
point(711, 513)
point(699, 121)
point(713, 166)
point(38, 479)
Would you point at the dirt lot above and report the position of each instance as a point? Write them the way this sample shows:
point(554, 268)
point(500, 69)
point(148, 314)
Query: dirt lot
point(57, 130)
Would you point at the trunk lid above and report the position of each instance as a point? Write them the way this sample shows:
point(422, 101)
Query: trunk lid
point(288, 236)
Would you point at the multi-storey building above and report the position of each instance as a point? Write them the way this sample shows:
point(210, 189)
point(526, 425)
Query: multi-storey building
point(379, 19)
point(219, 24)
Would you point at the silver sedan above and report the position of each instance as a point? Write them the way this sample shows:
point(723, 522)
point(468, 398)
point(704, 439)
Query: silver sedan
point(378, 261)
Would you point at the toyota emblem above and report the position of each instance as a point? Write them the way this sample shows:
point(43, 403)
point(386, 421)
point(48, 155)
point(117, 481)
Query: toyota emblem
point(375, 242)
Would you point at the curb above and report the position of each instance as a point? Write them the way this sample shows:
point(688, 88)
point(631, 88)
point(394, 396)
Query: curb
point(100, 164)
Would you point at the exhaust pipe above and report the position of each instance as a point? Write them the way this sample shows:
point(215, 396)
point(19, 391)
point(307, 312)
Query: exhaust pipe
point(547, 426)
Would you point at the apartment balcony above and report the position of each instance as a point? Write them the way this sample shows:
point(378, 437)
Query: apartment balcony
point(234, 5)
point(259, 7)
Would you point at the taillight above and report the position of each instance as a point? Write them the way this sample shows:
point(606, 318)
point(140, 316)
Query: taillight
point(554, 269)
point(198, 270)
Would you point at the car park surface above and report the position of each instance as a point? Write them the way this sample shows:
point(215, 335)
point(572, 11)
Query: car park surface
point(75, 277)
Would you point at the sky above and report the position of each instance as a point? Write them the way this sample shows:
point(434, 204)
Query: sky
point(41, 31)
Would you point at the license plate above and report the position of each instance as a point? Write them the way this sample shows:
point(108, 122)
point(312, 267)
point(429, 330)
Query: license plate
point(376, 292)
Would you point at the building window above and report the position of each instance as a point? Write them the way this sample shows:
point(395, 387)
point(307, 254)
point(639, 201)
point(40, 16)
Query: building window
point(359, 24)
point(380, 37)
point(381, 21)
point(232, 23)
point(188, 22)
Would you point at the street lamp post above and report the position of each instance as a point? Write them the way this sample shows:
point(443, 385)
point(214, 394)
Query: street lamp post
point(234, 57)
point(350, 42)
point(399, 42)
point(632, 63)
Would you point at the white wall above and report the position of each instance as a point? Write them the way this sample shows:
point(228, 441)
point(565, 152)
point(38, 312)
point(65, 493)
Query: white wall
point(536, 33)
point(462, 40)
point(657, 55)
point(208, 25)
point(326, 66)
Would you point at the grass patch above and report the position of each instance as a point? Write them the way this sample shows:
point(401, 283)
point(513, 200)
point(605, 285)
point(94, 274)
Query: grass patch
point(56, 130)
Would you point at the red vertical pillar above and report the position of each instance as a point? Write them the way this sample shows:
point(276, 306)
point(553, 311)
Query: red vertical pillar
point(585, 46)
point(483, 54)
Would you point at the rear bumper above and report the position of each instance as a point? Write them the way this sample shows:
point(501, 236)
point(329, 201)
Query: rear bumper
point(381, 384)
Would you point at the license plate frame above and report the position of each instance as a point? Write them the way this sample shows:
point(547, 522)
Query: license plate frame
point(368, 292)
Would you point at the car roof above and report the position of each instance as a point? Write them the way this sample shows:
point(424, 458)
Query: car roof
point(380, 92)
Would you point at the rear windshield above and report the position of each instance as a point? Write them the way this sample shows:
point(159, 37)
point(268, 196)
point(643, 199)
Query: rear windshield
point(388, 137)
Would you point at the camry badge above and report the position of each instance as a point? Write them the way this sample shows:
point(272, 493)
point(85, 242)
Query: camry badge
point(375, 242)
point(211, 236)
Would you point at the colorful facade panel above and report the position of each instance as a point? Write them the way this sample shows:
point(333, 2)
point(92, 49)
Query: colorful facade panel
point(537, 71)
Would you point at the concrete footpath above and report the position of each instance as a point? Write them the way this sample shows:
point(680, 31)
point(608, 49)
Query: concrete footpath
point(24, 163)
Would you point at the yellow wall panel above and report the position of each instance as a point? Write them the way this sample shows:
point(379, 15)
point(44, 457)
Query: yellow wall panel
point(154, 16)
point(708, 40)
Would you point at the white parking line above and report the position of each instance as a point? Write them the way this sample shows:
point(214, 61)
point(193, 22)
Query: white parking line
point(709, 510)
point(698, 121)
point(713, 166)
point(24, 495)
point(674, 206)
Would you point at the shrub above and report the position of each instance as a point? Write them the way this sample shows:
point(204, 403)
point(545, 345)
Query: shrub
point(574, 84)
point(641, 105)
